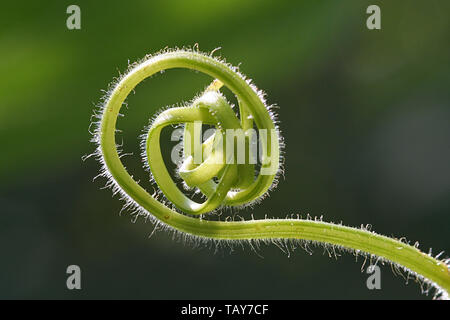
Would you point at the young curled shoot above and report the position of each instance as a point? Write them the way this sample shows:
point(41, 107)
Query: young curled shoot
point(228, 179)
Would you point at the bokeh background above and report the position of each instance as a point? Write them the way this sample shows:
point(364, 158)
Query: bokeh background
point(365, 115)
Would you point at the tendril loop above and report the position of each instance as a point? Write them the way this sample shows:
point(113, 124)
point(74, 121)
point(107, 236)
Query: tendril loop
point(222, 168)
point(216, 157)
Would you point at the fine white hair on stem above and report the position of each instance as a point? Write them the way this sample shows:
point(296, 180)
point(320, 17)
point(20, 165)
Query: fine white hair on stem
point(218, 241)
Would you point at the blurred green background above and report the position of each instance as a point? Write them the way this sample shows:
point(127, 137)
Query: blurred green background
point(365, 115)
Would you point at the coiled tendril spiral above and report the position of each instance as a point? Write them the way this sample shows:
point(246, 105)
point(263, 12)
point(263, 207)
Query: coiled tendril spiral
point(236, 184)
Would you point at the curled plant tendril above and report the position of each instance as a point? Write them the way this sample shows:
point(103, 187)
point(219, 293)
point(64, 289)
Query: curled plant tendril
point(237, 185)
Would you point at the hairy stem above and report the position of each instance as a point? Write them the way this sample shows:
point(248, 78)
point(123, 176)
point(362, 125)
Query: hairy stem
point(252, 107)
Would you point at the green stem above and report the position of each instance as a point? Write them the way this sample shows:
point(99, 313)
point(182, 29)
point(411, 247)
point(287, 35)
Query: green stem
point(251, 103)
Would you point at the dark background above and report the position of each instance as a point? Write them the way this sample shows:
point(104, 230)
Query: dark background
point(365, 115)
